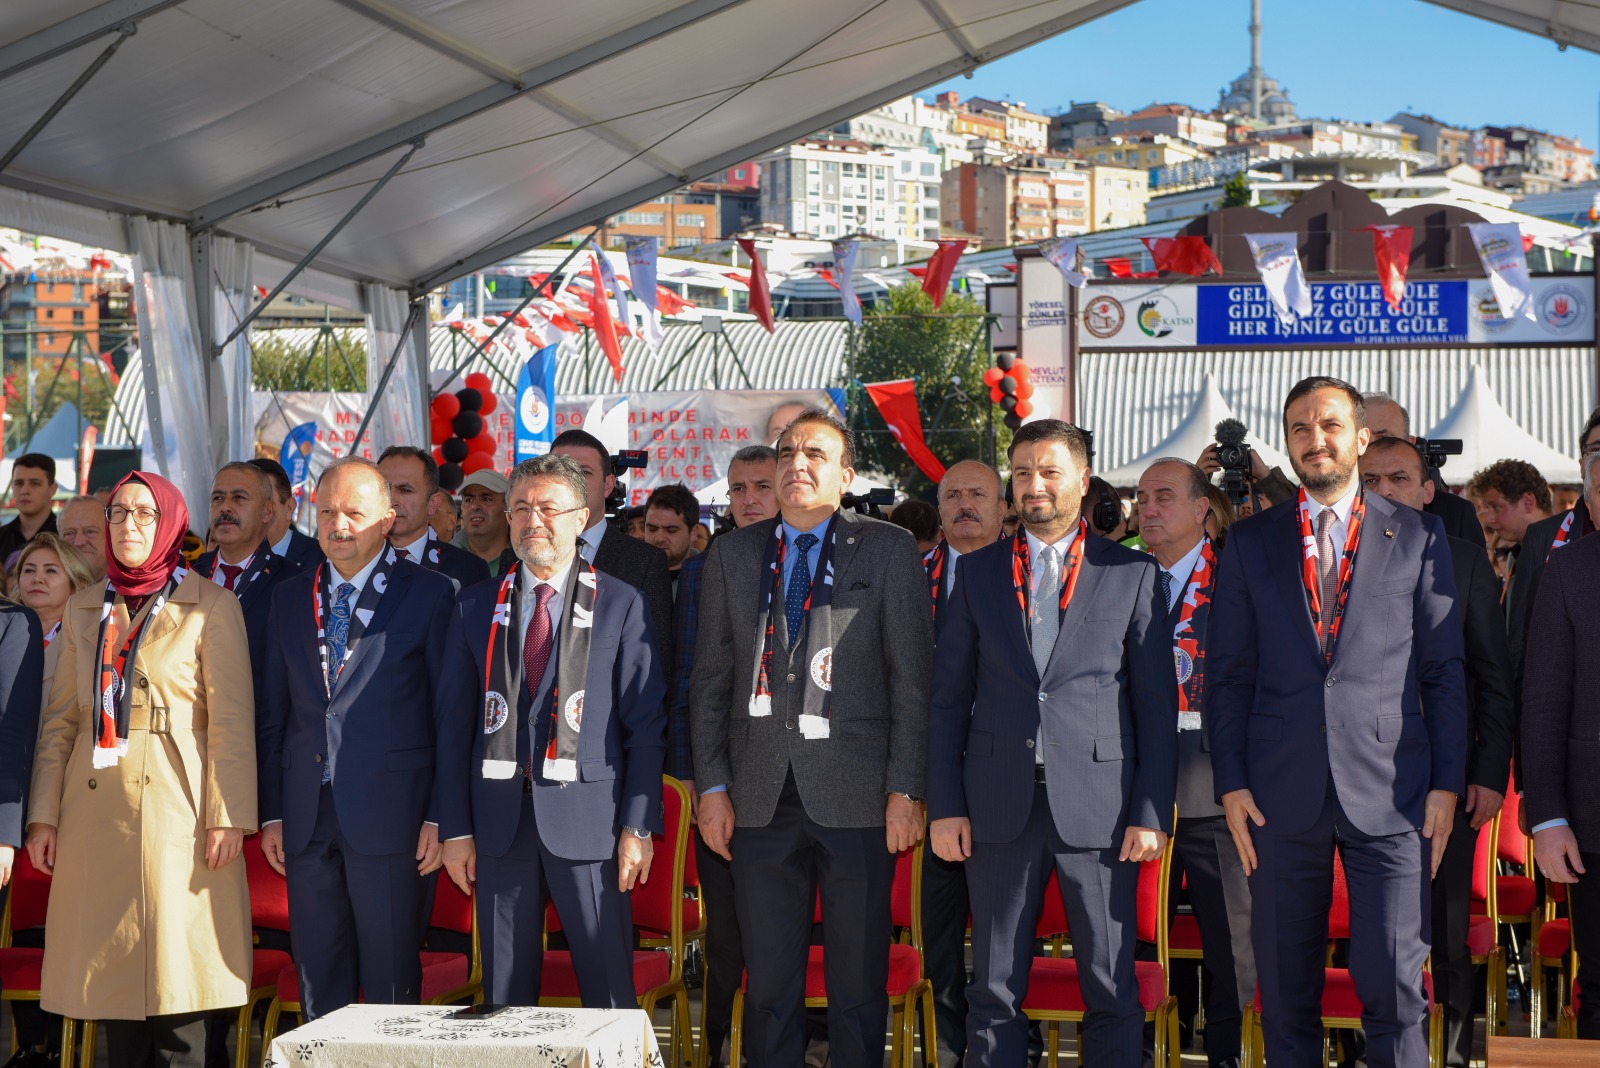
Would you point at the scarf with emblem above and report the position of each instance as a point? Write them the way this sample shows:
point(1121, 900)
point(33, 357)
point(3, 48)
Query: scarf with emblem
point(936, 561)
point(816, 632)
point(503, 676)
point(1572, 528)
point(1188, 638)
point(360, 612)
point(1347, 566)
point(255, 566)
point(118, 655)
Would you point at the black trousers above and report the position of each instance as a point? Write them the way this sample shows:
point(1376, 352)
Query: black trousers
point(1453, 972)
point(177, 1041)
point(777, 872)
point(1219, 892)
point(1583, 901)
point(944, 949)
point(1292, 894)
point(724, 952)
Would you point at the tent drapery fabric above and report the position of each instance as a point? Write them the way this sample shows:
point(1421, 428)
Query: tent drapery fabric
point(232, 294)
point(399, 415)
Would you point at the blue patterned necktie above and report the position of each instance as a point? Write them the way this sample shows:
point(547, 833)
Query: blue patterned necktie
point(1165, 578)
point(794, 600)
point(339, 631)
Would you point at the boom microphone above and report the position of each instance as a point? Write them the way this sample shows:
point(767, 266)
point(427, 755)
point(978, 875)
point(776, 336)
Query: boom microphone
point(1231, 432)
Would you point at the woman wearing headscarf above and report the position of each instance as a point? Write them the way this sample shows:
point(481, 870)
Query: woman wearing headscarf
point(144, 787)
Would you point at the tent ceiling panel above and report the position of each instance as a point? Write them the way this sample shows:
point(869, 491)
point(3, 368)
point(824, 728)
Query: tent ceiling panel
point(1564, 22)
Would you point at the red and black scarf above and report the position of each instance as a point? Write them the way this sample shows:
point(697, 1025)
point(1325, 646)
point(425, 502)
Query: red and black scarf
point(1189, 637)
point(817, 633)
point(118, 654)
point(1575, 526)
point(1022, 572)
point(502, 676)
point(937, 560)
point(1347, 563)
point(360, 612)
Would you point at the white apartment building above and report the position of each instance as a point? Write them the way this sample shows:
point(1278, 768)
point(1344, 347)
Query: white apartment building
point(832, 189)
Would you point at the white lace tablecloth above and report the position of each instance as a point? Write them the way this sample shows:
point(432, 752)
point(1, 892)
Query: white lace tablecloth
point(424, 1036)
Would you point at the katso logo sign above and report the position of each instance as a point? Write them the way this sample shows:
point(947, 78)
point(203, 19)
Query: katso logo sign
point(1158, 317)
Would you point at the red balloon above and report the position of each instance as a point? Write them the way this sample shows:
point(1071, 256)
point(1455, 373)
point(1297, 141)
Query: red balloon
point(1023, 409)
point(992, 376)
point(438, 457)
point(1020, 372)
point(477, 461)
point(1024, 391)
point(995, 394)
point(440, 430)
point(489, 401)
point(446, 406)
point(484, 442)
point(478, 381)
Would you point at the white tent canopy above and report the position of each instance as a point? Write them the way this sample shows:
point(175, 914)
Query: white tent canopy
point(1189, 440)
point(1489, 434)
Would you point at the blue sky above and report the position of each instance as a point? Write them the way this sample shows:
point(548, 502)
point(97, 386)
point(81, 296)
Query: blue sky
point(1351, 59)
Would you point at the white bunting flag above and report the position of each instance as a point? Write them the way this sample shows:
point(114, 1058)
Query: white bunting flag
point(1277, 259)
point(1062, 252)
point(642, 253)
point(608, 280)
point(844, 263)
point(1499, 246)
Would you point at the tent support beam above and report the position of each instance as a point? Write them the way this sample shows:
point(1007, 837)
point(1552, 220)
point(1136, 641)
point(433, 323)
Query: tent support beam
point(388, 372)
point(125, 31)
point(76, 31)
point(548, 73)
point(1528, 23)
point(950, 27)
point(601, 132)
point(316, 250)
point(432, 38)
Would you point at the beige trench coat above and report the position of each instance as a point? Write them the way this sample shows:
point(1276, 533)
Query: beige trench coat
point(138, 926)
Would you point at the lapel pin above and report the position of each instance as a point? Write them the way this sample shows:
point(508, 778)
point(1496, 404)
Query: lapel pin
point(851, 540)
point(1388, 533)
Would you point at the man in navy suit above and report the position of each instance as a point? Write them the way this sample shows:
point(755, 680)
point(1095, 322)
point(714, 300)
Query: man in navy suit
point(287, 542)
point(413, 480)
point(348, 733)
point(1051, 744)
point(1337, 711)
point(566, 791)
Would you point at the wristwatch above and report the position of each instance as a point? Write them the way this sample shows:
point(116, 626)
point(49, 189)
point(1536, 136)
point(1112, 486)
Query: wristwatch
point(637, 833)
point(909, 797)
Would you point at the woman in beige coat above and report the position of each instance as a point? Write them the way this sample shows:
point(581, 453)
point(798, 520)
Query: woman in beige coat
point(143, 789)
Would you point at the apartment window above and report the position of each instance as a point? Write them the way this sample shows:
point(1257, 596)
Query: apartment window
point(930, 214)
point(77, 316)
point(929, 171)
point(905, 166)
point(642, 218)
point(692, 222)
point(1101, 156)
point(813, 167)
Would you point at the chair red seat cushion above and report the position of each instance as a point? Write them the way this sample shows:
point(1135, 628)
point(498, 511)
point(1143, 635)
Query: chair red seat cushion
point(442, 973)
point(1053, 985)
point(1480, 936)
point(289, 986)
point(1339, 994)
point(267, 965)
point(559, 979)
point(1516, 895)
point(21, 968)
point(1184, 935)
point(1555, 938)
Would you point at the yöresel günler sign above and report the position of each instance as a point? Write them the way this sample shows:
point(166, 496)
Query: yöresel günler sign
point(1446, 311)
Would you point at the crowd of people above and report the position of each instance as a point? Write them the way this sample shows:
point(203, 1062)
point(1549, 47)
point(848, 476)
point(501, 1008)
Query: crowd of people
point(1030, 676)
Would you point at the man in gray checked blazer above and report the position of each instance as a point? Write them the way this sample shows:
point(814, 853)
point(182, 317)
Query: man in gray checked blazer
point(809, 706)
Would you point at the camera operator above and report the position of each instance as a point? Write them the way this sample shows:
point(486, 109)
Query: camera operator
point(1268, 486)
point(1102, 508)
point(1387, 419)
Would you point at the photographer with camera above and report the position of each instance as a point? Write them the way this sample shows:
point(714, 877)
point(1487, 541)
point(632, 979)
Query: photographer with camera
point(1387, 419)
point(1249, 483)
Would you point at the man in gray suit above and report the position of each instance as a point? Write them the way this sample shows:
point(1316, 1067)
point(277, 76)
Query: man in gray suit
point(802, 792)
point(1052, 745)
point(1172, 520)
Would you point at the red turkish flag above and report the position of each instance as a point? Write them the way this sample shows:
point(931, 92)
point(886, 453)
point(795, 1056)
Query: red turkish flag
point(1182, 255)
point(1119, 266)
point(1391, 247)
point(897, 403)
point(760, 295)
point(605, 329)
point(936, 283)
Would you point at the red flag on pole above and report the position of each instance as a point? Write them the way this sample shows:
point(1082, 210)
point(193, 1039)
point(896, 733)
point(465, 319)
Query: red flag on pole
point(760, 295)
point(605, 329)
point(1391, 247)
point(1182, 255)
point(897, 403)
point(936, 283)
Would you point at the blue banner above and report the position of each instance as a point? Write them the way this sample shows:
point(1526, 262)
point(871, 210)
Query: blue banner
point(536, 390)
point(1343, 313)
point(295, 457)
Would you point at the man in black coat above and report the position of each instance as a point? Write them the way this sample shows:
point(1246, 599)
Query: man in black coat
point(1387, 419)
point(1394, 468)
point(299, 549)
point(413, 479)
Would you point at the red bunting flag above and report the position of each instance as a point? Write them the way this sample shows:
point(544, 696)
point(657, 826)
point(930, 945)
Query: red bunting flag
point(605, 329)
point(1527, 243)
point(827, 276)
point(1182, 255)
point(897, 403)
point(1391, 247)
point(760, 295)
point(936, 283)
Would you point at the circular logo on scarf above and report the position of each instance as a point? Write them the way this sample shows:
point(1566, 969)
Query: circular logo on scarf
point(573, 710)
point(1185, 665)
point(822, 669)
point(433, 555)
point(108, 700)
point(495, 712)
point(380, 581)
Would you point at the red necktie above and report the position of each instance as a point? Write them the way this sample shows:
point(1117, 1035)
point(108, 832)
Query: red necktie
point(402, 554)
point(537, 645)
point(230, 574)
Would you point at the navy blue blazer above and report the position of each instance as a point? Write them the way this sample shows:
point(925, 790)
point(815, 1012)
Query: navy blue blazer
point(1108, 702)
point(255, 601)
point(304, 552)
point(621, 748)
point(381, 728)
point(1387, 720)
point(21, 672)
point(458, 565)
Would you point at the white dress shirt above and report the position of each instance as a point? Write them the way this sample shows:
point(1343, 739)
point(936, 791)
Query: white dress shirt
point(1181, 570)
point(950, 568)
point(591, 539)
point(415, 550)
point(281, 546)
point(1341, 516)
point(216, 569)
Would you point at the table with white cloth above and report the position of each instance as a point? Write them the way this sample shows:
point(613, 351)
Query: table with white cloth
point(426, 1036)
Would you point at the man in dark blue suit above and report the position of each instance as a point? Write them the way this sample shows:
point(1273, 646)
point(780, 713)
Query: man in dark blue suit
point(565, 791)
point(1052, 744)
point(303, 552)
point(21, 668)
point(1336, 706)
point(413, 480)
point(348, 735)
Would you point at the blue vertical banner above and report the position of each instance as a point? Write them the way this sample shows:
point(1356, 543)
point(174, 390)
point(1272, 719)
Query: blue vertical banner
point(536, 391)
point(296, 459)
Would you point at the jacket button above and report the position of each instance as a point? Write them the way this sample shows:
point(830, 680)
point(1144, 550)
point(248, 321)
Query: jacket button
point(1029, 743)
point(144, 683)
point(1043, 696)
point(1330, 682)
point(92, 784)
point(791, 676)
point(319, 758)
point(1324, 728)
point(788, 725)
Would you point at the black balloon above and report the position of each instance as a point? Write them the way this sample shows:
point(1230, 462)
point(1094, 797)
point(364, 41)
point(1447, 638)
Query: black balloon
point(450, 476)
point(1008, 402)
point(454, 450)
point(1008, 386)
point(471, 401)
point(467, 425)
point(1004, 360)
point(1012, 423)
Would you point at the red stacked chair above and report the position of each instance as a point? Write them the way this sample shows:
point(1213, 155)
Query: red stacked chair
point(269, 910)
point(1483, 930)
point(20, 967)
point(1551, 946)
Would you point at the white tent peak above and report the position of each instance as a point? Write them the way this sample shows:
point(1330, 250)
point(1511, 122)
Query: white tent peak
point(1488, 434)
point(1190, 438)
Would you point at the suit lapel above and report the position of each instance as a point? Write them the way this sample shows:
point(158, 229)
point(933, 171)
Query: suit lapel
point(399, 582)
point(1372, 560)
point(160, 626)
point(1083, 594)
point(1005, 598)
point(845, 544)
point(1287, 552)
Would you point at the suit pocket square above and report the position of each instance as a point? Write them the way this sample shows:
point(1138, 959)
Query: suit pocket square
point(860, 584)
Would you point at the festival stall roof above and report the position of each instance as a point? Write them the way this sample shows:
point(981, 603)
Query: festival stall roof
point(1489, 434)
point(1191, 437)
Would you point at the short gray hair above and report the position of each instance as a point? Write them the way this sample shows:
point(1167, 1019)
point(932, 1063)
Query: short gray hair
point(1199, 481)
point(754, 454)
point(1589, 460)
point(360, 463)
point(261, 478)
point(551, 465)
point(1384, 398)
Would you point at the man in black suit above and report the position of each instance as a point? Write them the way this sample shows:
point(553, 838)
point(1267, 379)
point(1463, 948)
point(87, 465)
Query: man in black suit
point(1173, 508)
point(1513, 496)
point(641, 566)
point(413, 479)
point(297, 548)
point(1051, 746)
point(1387, 419)
point(1395, 469)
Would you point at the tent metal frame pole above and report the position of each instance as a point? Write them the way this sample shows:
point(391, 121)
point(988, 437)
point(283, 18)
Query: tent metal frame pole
point(316, 250)
point(431, 38)
point(124, 31)
point(75, 32)
point(684, 355)
point(388, 372)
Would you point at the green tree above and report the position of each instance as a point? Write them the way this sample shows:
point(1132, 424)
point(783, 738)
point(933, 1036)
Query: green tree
point(339, 363)
point(1236, 192)
point(945, 351)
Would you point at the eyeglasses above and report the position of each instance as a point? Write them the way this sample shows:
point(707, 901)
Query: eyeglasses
point(142, 515)
point(524, 513)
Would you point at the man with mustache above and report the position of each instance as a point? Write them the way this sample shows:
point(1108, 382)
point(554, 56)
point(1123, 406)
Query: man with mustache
point(1336, 709)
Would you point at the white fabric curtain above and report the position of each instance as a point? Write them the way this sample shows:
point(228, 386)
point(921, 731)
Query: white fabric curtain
point(232, 295)
point(400, 414)
point(178, 442)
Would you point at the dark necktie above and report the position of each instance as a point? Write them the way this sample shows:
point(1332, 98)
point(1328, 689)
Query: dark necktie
point(537, 645)
point(401, 554)
point(230, 574)
point(339, 630)
point(794, 601)
point(1165, 578)
point(1327, 573)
